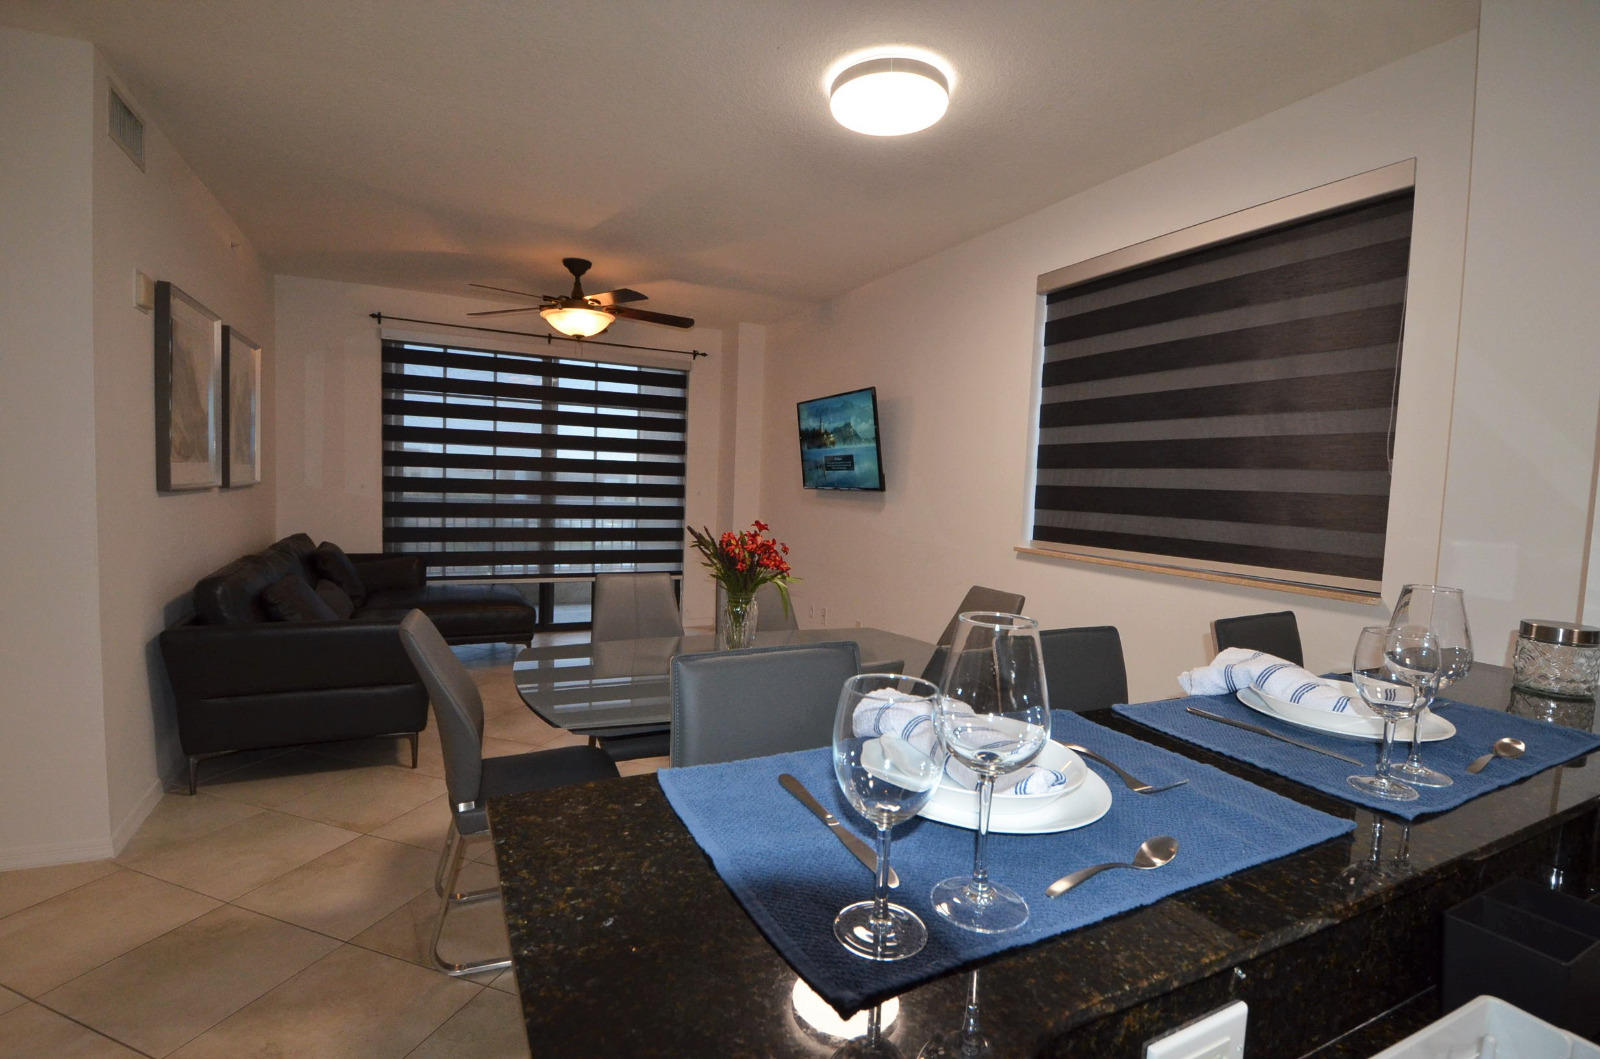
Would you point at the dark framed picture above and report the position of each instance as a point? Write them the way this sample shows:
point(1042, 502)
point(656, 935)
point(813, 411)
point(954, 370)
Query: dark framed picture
point(188, 392)
point(241, 410)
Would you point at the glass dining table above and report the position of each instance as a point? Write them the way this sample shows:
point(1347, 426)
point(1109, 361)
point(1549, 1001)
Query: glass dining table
point(616, 691)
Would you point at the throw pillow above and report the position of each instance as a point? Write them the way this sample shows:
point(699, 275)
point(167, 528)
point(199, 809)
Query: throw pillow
point(289, 598)
point(337, 599)
point(336, 566)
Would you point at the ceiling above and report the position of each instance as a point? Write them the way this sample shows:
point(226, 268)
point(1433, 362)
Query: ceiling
point(685, 145)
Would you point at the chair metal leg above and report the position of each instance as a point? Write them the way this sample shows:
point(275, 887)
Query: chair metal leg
point(451, 838)
point(455, 849)
point(413, 737)
point(194, 765)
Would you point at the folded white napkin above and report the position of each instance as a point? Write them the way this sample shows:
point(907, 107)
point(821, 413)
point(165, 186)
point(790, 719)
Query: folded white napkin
point(1239, 667)
point(885, 713)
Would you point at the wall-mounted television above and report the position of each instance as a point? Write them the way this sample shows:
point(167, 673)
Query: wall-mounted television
point(839, 441)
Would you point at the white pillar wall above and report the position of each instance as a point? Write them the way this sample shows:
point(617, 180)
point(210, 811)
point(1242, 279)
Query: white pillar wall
point(1517, 530)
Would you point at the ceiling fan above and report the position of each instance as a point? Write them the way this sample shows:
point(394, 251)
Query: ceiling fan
point(580, 315)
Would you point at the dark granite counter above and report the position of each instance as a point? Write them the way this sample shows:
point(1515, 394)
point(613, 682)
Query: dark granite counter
point(627, 943)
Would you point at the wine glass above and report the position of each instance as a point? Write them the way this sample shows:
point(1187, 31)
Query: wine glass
point(1442, 610)
point(888, 759)
point(993, 717)
point(1385, 659)
point(968, 1042)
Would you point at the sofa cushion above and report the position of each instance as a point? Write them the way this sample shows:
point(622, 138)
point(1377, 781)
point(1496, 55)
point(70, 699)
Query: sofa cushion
point(335, 565)
point(232, 595)
point(337, 599)
point(463, 613)
point(289, 598)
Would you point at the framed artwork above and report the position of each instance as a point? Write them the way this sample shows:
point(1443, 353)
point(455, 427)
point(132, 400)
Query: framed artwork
point(241, 410)
point(188, 392)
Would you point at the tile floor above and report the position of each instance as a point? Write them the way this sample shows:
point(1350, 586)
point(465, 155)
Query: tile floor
point(285, 910)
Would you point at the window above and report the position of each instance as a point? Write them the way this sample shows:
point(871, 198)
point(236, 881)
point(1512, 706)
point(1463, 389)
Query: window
point(508, 466)
point(1223, 402)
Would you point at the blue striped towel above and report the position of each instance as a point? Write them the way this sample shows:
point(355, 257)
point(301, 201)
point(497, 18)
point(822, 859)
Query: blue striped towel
point(1240, 667)
point(889, 714)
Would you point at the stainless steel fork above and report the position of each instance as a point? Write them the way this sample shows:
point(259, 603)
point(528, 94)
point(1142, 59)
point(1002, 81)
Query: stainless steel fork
point(1135, 784)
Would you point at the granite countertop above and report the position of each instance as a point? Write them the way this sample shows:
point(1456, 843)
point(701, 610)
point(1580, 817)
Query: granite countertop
point(627, 943)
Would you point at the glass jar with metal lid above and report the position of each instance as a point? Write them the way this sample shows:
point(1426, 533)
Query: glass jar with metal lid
point(1558, 657)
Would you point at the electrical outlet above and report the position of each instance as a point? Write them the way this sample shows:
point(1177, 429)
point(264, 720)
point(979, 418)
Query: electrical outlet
point(1219, 1035)
point(822, 614)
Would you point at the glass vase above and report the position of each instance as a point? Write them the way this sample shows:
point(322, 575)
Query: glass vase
point(736, 620)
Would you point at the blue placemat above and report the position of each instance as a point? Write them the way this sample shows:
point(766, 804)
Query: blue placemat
point(1476, 730)
point(792, 876)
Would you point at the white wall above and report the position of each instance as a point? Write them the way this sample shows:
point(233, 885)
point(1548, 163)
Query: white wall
point(153, 548)
point(329, 419)
point(950, 344)
point(96, 561)
point(1522, 451)
point(52, 754)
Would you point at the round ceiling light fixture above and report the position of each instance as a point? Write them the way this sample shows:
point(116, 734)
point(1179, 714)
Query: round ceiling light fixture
point(889, 95)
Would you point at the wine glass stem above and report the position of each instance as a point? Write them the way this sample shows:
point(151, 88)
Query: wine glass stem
point(1386, 749)
point(969, 1018)
point(880, 897)
point(1414, 759)
point(980, 868)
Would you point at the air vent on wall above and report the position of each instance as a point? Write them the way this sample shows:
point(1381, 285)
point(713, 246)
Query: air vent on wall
point(126, 130)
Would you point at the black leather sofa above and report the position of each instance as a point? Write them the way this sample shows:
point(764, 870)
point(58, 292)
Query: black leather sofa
point(262, 663)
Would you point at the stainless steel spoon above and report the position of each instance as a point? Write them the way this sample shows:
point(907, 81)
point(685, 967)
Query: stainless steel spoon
point(1153, 853)
point(1503, 747)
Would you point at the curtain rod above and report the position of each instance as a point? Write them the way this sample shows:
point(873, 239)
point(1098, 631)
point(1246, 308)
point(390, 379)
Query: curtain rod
point(380, 317)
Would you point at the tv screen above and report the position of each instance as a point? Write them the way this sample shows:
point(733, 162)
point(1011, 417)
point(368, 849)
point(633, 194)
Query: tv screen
point(839, 441)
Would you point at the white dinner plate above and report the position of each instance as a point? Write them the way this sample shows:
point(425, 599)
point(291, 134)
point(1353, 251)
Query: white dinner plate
point(1355, 725)
point(1054, 755)
point(1082, 807)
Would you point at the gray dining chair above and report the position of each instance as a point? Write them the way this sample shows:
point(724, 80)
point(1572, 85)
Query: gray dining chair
point(1276, 633)
point(769, 610)
point(981, 598)
point(728, 705)
point(1084, 668)
point(470, 778)
point(634, 606)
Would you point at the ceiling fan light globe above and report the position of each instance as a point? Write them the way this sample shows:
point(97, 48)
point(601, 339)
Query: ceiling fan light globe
point(577, 321)
point(889, 97)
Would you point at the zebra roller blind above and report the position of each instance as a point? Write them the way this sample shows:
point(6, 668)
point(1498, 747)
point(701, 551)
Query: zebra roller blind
point(1231, 408)
point(504, 465)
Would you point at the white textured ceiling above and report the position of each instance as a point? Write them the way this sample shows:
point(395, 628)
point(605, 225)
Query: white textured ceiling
point(685, 145)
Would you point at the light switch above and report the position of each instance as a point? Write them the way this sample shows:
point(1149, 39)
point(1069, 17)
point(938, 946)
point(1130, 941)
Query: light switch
point(144, 292)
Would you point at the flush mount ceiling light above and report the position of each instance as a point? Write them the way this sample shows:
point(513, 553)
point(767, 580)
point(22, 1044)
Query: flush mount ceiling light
point(889, 95)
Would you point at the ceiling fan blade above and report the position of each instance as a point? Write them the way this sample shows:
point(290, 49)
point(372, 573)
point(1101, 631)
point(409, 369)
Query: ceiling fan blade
point(651, 317)
point(508, 312)
point(508, 290)
point(618, 296)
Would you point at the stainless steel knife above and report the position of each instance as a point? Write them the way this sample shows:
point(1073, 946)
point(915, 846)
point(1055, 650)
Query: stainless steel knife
point(862, 851)
point(1269, 732)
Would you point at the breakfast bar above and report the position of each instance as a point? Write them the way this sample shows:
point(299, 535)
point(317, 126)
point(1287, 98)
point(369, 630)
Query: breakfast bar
point(627, 942)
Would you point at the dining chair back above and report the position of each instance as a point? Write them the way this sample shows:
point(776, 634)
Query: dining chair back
point(728, 705)
point(1276, 633)
point(980, 598)
point(634, 606)
point(770, 613)
point(470, 778)
point(934, 670)
point(1084, 668)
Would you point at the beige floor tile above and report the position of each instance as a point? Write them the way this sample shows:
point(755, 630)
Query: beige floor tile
point(348, 889)
point(279, 779)
point(507, 983)
point(29, 886)
point(57, 940)
point(561, 737)
point(387, 750)
point(473, 932)
point(31, 1032)
point(350, 1003)
point(168, 991)
point(489, 1027)
point(423, 827)
point(9, 1000)
point(640, 766)
point(522, 726)
point(180, 818)
point(240, 857)
point(364, 799)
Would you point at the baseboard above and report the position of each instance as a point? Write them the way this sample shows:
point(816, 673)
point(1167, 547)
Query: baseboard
point(54, 853)
point(123, 833)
